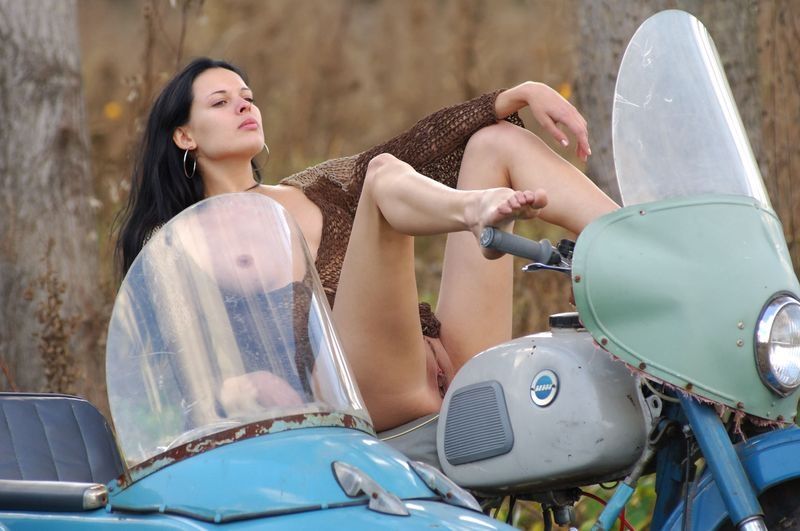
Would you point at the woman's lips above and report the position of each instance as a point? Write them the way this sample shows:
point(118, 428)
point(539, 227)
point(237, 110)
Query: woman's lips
point(249, 124)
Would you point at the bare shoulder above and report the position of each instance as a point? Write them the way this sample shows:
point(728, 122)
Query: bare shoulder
point(307, 215)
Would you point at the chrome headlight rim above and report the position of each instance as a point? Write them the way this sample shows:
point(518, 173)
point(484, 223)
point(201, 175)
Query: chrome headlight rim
point(764, 327)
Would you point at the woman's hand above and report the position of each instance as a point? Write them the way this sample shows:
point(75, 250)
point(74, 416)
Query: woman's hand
point(550, 110)
point(251, 393)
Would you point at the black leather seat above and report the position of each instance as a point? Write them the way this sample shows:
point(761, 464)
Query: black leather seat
point(49, 437)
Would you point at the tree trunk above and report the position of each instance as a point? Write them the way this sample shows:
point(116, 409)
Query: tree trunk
point(779, 29)
point(49, 298)
point(606, 26)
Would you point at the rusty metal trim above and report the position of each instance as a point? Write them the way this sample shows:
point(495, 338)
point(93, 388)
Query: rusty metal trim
point(238, 433)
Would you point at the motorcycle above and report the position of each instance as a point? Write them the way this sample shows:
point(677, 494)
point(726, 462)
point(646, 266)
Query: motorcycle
point(234, 405)
point(686, 343)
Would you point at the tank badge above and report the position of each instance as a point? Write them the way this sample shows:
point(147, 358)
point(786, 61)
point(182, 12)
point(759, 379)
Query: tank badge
point(544, 388)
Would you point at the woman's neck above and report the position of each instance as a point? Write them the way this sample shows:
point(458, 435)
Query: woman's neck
point(221, 177)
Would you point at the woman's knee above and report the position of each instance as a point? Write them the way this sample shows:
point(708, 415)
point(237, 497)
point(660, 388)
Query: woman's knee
point(380, 168)
point(500, 139)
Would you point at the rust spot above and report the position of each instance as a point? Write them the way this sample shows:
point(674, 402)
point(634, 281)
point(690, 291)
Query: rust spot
point(780, 418)
point(577, 278)
point(739, 405)
point(689, 386)
point(239, 433)
point(642, 366)
point(604, 341)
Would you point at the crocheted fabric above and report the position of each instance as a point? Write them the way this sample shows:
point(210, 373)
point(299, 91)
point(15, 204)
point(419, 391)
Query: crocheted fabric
point(434, 147)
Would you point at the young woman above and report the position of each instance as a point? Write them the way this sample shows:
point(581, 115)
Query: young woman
point(457, 171)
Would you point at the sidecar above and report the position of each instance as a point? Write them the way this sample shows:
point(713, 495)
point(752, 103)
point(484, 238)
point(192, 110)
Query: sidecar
point(233, 404)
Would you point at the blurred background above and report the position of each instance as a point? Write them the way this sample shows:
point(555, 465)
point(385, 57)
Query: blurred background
point(332, 78)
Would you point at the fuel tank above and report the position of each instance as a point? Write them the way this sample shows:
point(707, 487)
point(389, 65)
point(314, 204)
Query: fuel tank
point(542, 412)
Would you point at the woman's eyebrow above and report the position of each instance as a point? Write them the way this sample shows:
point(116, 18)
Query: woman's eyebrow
point(225, 92)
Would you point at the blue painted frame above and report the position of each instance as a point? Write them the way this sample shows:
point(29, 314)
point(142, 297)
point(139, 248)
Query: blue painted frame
point(769, 459)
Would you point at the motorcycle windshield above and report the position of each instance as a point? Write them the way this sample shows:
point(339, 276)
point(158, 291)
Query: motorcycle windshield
point(220, 322)
point(676, 128)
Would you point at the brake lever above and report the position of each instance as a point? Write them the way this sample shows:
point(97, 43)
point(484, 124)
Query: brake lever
point(563, 267)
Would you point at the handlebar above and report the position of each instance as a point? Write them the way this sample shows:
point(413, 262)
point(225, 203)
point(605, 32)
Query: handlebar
point(541, 251)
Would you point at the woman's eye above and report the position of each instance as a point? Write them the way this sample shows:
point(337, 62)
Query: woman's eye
point(250, 99)
point(219, 103)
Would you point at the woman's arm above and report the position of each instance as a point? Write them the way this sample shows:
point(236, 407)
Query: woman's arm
point(549, 109)
point(438, 134)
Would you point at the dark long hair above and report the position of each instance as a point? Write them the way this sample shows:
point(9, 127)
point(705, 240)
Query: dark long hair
point(159, 187)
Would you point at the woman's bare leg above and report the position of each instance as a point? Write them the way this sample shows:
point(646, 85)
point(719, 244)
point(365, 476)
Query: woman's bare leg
point(475, 298)
point(376, 309)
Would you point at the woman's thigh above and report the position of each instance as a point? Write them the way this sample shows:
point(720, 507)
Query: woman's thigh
point(475, 297)
point(377, 317)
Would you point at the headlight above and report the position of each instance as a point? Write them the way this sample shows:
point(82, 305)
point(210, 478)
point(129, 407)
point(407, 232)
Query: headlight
point(778, 345)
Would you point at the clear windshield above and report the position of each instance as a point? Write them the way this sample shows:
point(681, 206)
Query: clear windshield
point(221, 321)
point(676, 128)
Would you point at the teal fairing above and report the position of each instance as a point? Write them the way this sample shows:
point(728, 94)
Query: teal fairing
point(675, 288)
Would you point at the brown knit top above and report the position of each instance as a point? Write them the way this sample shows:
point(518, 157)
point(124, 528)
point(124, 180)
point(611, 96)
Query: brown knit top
point(434, 147)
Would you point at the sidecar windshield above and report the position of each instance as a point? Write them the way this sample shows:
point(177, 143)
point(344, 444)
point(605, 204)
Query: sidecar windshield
point(676, 128)
point(221, 322)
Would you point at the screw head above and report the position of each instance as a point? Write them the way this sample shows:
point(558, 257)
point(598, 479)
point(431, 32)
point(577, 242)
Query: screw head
point(604, 341)
point(740, 325)
point(577, 278)
point(739, 342)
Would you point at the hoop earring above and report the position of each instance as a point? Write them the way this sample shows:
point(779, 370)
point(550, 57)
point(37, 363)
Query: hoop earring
point(265, 162)
point(194, 165)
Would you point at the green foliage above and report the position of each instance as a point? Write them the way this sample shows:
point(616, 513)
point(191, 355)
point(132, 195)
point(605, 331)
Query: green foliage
point(638, 512)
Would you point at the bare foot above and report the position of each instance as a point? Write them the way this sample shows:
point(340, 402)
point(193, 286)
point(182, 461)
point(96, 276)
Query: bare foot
point(499, 208)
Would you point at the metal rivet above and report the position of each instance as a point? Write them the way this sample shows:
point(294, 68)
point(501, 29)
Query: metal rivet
point(689, 386)
point(642, 366)
point(740, 325)
point(780, 418)
point(642, 212)
point(577, 278)
point(604, 341)
point(739, 405)
point(739, 342)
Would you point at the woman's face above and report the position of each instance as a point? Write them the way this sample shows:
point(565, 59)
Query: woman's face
point(223, 121)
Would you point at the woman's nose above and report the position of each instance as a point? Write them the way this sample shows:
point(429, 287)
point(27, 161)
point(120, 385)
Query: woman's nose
point(243, 106)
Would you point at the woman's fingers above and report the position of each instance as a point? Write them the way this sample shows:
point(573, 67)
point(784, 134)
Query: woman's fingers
point(576, 125)
point(550, 126)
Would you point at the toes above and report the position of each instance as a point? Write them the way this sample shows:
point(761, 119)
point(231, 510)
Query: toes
point(541, 198)
point(529, 197)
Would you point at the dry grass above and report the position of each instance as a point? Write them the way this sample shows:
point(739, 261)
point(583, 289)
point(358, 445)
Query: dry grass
point(56, 329)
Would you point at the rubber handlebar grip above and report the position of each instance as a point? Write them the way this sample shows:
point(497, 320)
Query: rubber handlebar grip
point(541, 252)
